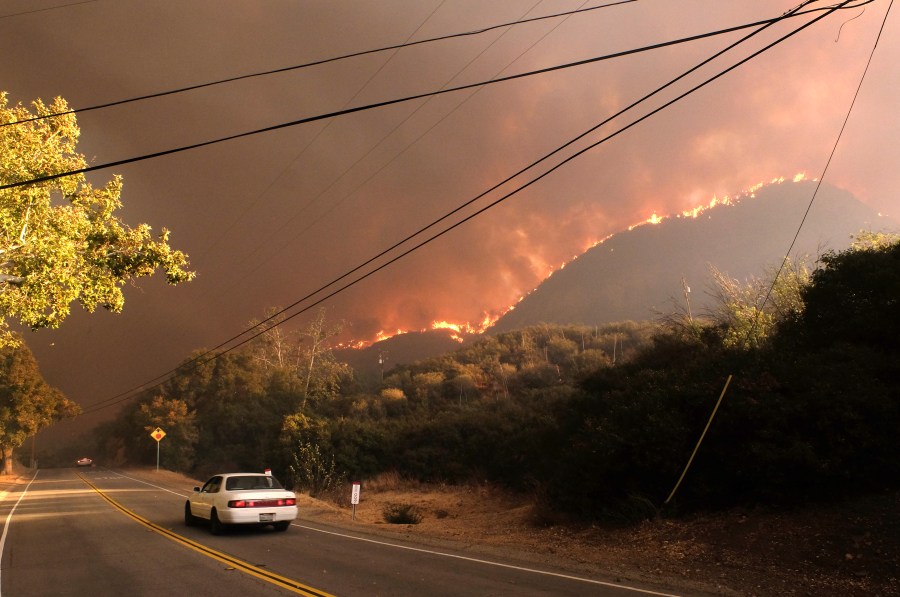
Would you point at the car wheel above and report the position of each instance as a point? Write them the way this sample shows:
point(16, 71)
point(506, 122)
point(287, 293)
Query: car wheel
point(189, 518)
point(282, 526)
point(215, 525)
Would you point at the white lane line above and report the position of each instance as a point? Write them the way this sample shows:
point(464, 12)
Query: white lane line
point(6, 527)
point(490, 563)
point(450, 555)
point(150, 484)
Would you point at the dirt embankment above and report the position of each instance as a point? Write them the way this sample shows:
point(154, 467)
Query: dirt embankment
point(846, 549)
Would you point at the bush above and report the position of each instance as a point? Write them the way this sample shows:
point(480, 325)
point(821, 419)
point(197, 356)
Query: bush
point(401, 514)
point(311, 470)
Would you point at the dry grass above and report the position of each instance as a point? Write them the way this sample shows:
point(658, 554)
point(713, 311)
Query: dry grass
point(840, 550)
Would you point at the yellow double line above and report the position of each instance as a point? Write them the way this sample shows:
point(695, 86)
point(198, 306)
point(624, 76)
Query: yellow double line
point(270, 577)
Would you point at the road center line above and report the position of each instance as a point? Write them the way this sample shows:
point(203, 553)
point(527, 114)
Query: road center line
point(450, 555)
point(247, 568)
point(150, 484)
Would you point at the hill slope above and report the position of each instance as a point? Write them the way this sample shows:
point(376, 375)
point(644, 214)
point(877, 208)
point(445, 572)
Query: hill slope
point(397, 350)
point(636, 274)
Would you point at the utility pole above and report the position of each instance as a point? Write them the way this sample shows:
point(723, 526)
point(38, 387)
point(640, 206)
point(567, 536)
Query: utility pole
point(382, 357)
point(615, 339)
point(687, 298)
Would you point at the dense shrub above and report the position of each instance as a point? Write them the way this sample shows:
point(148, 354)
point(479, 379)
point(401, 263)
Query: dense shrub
point(401, 514)
point(812, 410)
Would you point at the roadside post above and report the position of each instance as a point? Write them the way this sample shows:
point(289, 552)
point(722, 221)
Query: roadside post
point(354, 498)
point(157, 434)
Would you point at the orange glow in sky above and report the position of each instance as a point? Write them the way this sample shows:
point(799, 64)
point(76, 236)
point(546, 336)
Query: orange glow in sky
point(461, 329)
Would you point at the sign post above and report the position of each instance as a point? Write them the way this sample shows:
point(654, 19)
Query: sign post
point(354, 498)
point(157, 434)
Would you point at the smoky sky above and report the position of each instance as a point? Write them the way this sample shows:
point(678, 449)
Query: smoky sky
point(269, 218)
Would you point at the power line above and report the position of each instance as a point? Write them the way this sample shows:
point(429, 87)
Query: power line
point(196, 361)
point(251, 204)
point(406, 99)
point(406, 44)
point(334, 204)
point(827, 164)
point(199, 360)
point(224, 290)
point(49, 8)
point(765, 300)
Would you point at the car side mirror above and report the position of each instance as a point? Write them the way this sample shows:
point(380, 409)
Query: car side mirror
point(196, 489)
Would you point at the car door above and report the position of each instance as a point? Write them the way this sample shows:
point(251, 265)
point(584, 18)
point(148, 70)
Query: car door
point(204, 501)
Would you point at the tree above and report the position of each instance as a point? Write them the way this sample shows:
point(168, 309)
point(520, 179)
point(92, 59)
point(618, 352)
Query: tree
point(747, 313)
point(873, 241)
point(60, 240)
point(853, 297)
point(27, 402)
point(274, 347)
point(323, 372)
point(179, 423)
point(236, 416)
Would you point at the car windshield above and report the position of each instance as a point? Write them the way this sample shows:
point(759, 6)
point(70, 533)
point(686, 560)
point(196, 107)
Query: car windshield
point(242, 482)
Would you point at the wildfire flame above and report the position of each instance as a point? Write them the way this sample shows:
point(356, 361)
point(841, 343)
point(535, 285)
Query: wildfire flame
point(353, 344)
point(654, 219)
point(382, 335)
point(459, 330)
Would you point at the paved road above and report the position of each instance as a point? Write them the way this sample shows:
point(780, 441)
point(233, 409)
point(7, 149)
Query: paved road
point(98, 532)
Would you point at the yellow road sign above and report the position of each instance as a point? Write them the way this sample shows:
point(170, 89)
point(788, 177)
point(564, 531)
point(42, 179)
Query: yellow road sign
point(158, 434)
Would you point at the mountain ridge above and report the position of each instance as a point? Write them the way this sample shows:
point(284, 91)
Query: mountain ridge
point(637, 273)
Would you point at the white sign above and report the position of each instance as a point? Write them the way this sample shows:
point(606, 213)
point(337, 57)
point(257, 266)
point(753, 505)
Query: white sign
point(354, 496)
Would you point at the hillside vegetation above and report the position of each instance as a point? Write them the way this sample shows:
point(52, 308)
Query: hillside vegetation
point(592, 423)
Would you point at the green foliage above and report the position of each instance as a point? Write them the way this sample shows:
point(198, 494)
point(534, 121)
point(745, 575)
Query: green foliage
point(620, 439)
point(747, 313)
point(177, 450)
point(60, 240)
point(598, 423)
point(313, 471)
point(812, 412)
point(322, 373)
point(27, 403)
point(867, 240)
point(853, 298)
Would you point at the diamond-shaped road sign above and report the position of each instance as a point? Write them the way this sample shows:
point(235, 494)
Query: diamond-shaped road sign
point(158, 434)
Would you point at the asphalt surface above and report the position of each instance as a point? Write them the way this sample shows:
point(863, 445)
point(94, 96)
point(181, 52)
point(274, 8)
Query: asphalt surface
point(92, 531)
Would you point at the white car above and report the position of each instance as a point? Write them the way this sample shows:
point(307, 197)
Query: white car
point(241, 498)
